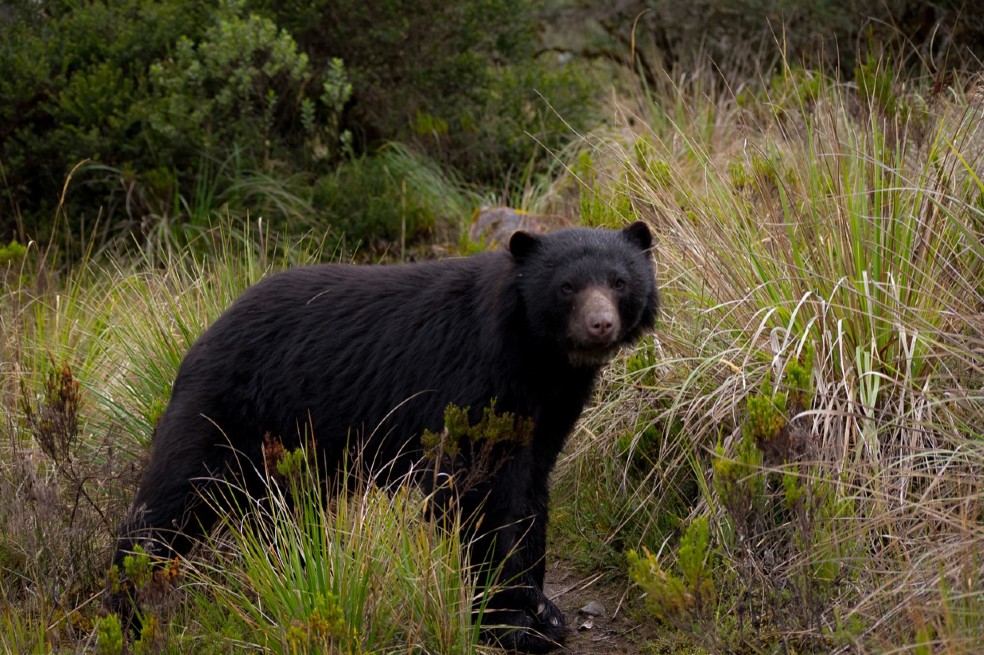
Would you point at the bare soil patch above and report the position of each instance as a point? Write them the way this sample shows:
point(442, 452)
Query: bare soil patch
point(618, 629)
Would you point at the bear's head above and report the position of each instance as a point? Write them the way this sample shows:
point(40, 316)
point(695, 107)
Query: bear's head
point(586, 292)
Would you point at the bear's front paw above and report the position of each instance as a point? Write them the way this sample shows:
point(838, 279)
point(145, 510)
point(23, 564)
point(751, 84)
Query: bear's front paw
point(541, 629)
point(549, 615)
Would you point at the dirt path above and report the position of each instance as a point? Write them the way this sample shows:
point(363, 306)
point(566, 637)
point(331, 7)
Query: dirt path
point(615, 630)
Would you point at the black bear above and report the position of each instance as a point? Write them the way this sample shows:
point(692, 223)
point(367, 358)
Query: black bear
point(370, 357)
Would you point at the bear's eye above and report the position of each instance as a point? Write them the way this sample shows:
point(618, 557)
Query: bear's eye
point(618, 284)
point(567, 288)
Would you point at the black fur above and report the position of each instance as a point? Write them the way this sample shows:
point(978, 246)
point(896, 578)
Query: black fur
point(371, 356)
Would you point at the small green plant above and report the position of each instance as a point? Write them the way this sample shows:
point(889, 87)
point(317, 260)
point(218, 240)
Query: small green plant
point(137, 567)
point(151, 636)
point(472, 452)
point(740, 177)
point(12, 253)
point(687, 599)
point(109, 635)
point(602, 210)
point(325, 630)
point(740, 485)
point(658, 173)
point(766, 422)
point(642, 363)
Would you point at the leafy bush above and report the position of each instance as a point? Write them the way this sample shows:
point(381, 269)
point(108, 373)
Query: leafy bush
point(460, 81)
point(182, 108)
point(393, 198)
point(150, 94)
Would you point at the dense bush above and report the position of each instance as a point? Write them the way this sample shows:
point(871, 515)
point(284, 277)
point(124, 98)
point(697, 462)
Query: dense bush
point(154, 96)
point(180, 108)
point(459, 80)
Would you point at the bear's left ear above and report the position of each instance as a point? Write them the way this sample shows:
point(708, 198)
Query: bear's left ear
point(638, 234)
point(522, 244)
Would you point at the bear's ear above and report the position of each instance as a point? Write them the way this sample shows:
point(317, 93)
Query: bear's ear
point(638, 234)
point(522, 244)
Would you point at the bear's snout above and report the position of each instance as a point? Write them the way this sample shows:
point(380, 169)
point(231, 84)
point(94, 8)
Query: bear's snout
point(596, 318)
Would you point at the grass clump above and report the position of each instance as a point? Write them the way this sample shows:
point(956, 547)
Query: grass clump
point(367, 573)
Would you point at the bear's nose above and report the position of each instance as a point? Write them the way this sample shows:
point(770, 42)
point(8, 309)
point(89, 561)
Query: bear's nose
point(601, 325)
point(596, 319)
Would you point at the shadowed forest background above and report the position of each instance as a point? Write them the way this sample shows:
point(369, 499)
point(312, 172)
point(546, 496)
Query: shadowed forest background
point(791, 463)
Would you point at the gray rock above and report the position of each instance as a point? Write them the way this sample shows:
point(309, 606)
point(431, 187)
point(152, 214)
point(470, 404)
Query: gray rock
point(594, 608)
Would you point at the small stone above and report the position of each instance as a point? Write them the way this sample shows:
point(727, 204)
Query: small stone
point(594, 608)
point(587, 625)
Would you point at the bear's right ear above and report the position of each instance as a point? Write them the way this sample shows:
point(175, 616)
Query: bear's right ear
point(522, 244)
point(638, 233)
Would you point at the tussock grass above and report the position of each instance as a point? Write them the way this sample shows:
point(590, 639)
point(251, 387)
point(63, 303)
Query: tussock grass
point(805, 216)
point(367, 573)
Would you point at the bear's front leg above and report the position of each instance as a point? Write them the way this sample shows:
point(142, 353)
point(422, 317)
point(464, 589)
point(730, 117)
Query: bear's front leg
point(547, 628)
point(509, 551)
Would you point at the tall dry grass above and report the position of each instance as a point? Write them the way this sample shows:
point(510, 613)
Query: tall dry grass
point(802, 218)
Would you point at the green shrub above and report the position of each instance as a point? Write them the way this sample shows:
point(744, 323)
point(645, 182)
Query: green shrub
point(370, 204)
point(169, 103)
point(460, 82)
point(109, 635)
point(689, 596)
point(391, 201)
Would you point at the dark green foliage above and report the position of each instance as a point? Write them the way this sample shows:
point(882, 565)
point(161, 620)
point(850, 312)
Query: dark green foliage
point(494, 428)
point(459, 81)
point(182, 108)
point(70, 81)
point(370, 202)
point(146, 92)
point(747, 37)
point(408, 57)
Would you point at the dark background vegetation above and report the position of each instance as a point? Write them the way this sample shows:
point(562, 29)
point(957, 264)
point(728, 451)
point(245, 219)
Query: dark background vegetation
point(182, 108)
